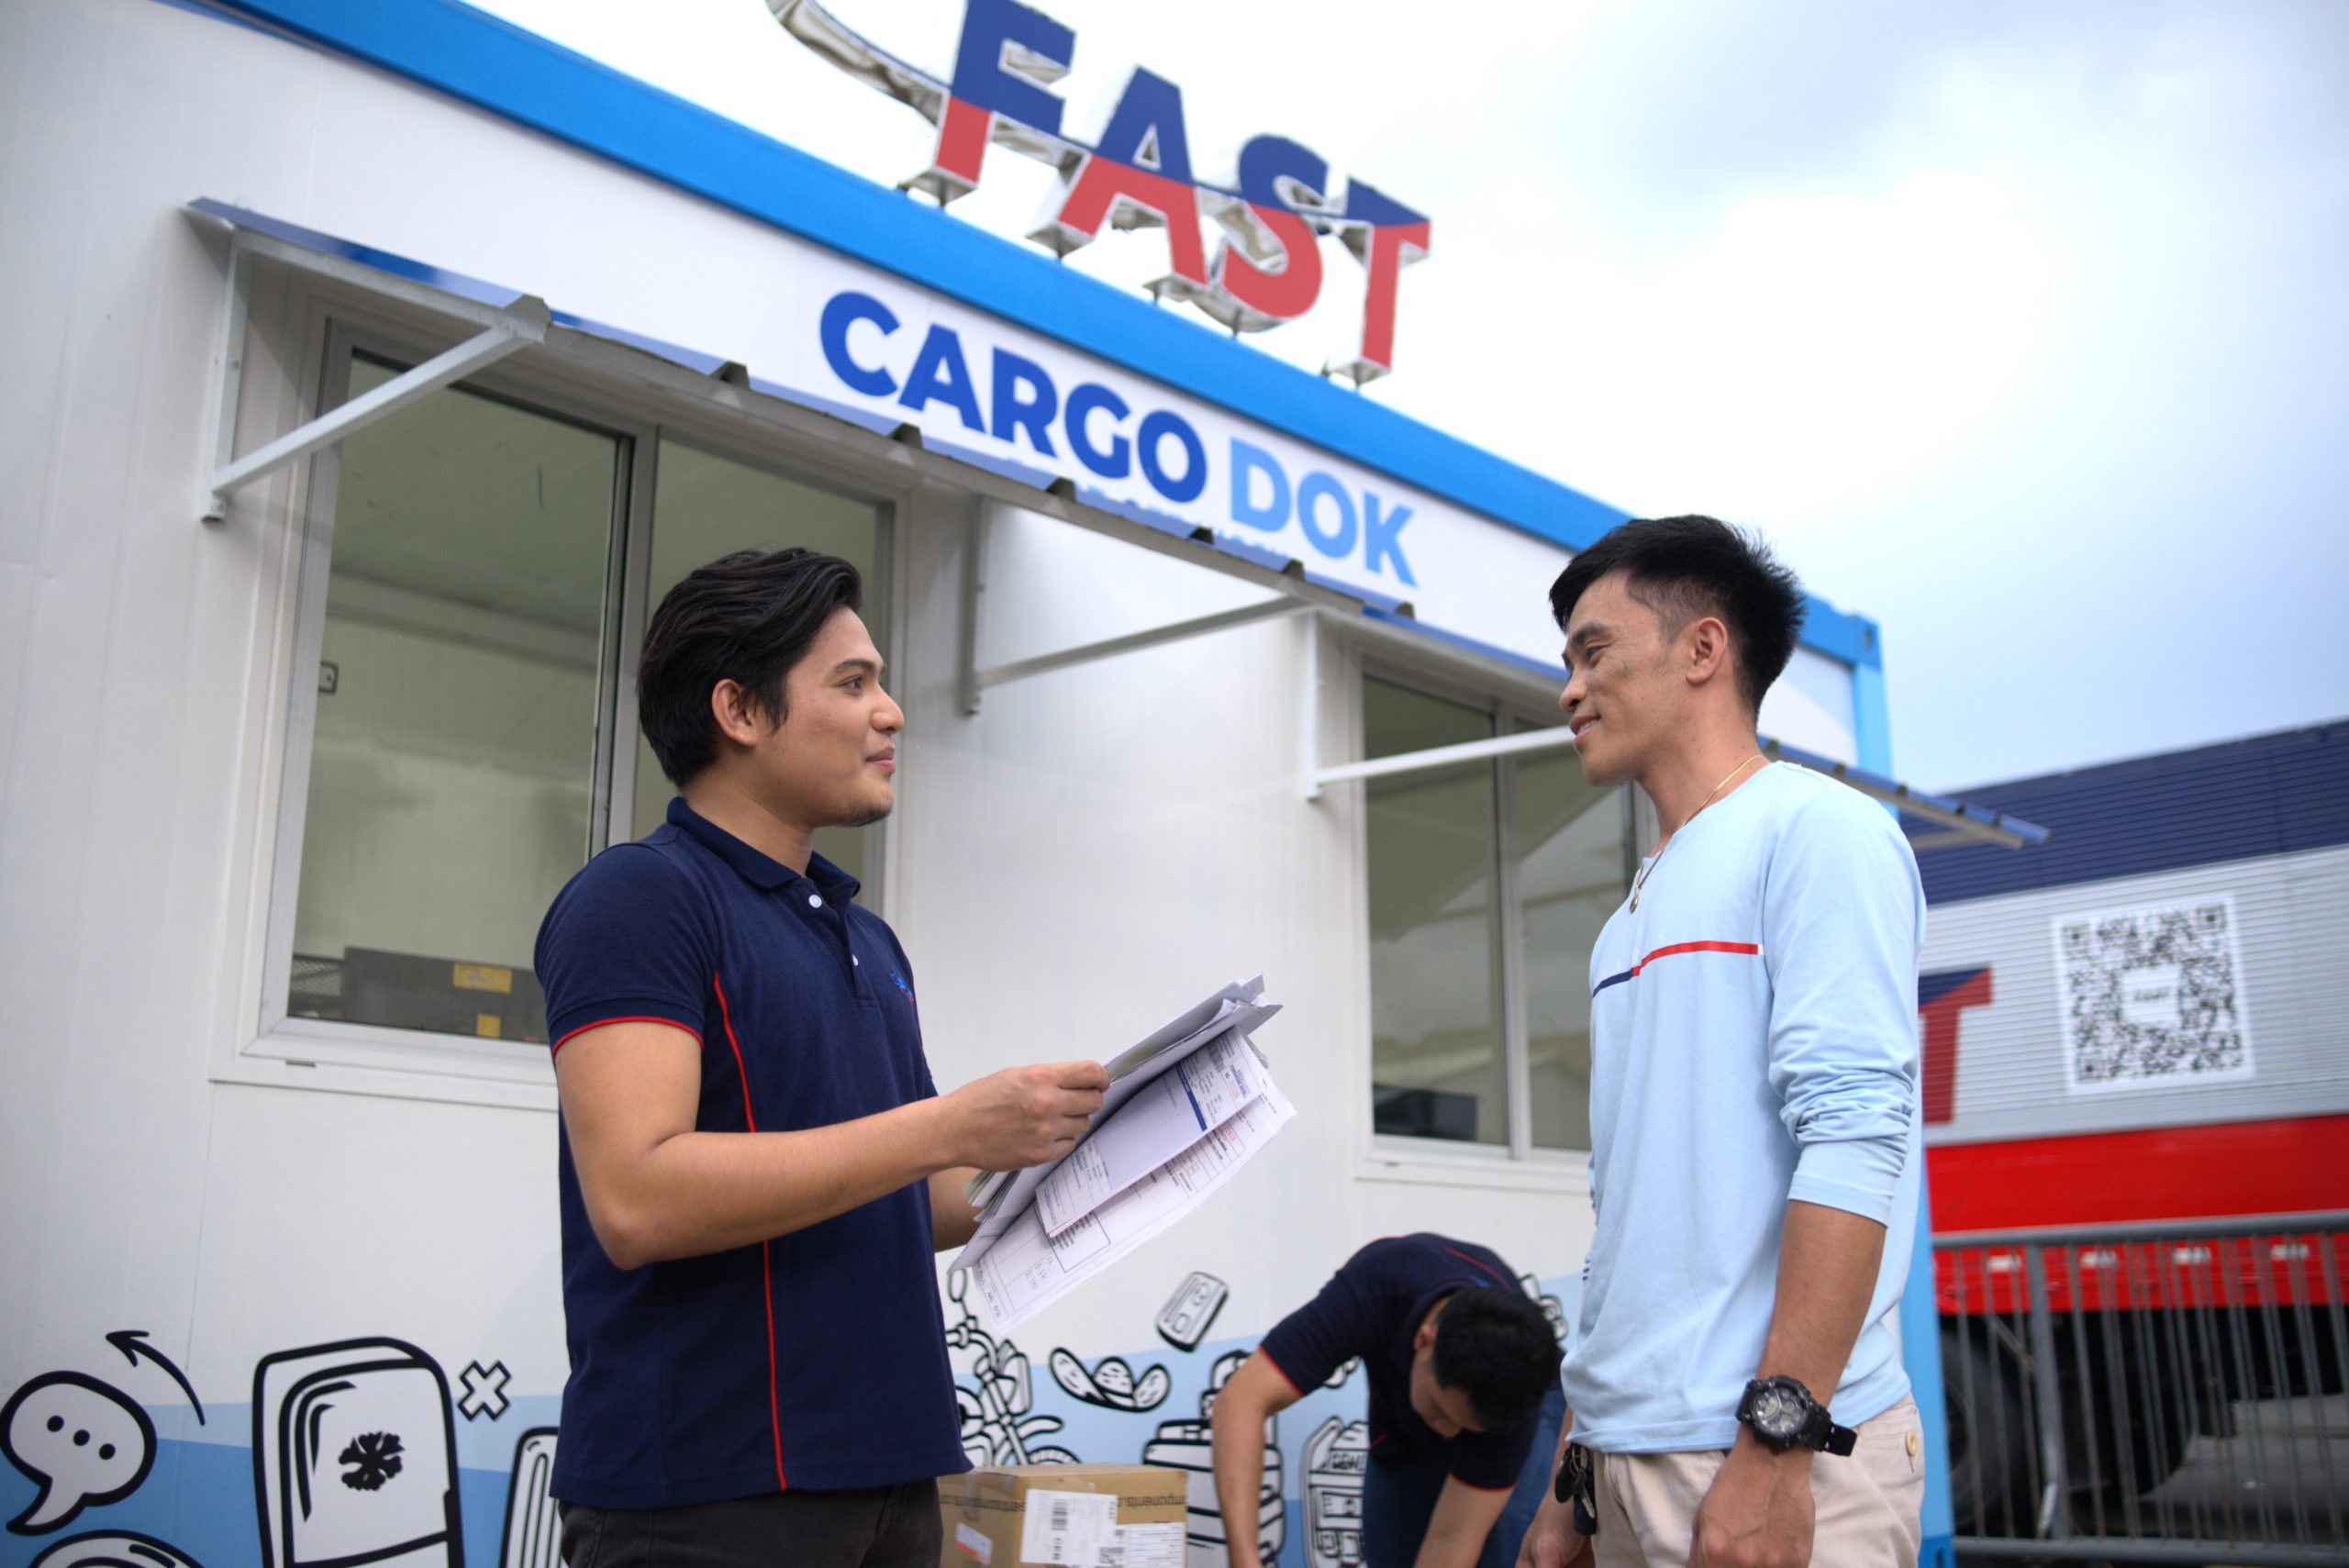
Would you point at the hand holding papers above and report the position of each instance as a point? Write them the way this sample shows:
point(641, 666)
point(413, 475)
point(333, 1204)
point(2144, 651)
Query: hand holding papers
point(1186, 1107)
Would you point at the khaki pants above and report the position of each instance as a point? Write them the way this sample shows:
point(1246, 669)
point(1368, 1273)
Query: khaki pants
point(1867, 1502)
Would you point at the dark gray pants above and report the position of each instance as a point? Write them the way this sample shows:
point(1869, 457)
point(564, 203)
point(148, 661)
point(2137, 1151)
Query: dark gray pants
point(872, 1527)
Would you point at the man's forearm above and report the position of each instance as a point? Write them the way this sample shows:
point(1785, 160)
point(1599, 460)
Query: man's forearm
point(707, 1192)
point(1828, 1259)
point(1239, 1459)
point(1463, 1517)
point(952, 1220)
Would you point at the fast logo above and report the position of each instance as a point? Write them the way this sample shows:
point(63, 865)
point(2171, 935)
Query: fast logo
point(1270, 211)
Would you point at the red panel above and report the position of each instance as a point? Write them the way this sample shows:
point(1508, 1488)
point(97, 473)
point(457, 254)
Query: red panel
point(2169, 1173)
point(2163, 1174)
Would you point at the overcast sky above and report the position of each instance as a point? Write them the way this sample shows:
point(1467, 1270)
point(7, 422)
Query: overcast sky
point(2022, 327)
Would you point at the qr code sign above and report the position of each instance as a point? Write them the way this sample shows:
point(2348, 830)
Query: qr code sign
point(2151, 997)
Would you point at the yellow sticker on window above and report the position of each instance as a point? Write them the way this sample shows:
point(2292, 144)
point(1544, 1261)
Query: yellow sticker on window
point(485, 977)
point(487, 1025)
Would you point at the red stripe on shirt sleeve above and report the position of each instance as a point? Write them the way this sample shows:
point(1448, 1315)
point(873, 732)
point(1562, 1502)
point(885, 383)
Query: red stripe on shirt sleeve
point(1282, 1370)
point(602, 1023)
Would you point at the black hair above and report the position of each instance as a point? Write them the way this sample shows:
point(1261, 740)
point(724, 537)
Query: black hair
point(748, 618)
point(1685, 567)
point(1497, 1347)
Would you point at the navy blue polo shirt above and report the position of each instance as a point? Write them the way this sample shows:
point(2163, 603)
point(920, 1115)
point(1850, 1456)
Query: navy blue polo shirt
point(1372, 1307)
point(815, 1360)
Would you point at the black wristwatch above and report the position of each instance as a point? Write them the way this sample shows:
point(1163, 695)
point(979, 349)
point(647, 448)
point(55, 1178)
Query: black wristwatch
point(1782, 1413)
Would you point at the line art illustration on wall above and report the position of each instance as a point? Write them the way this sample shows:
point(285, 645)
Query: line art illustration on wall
point(533, 1537)
point(997, 1426)
point(1187, 1446)
point(84, 1443)
point(355, 1457)
point(113, 1549)
point(1184, 1321)
point(1111, 1383)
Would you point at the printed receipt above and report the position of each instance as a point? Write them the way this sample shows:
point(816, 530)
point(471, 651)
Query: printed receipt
point(1028, 1269)
point(1207, 1089)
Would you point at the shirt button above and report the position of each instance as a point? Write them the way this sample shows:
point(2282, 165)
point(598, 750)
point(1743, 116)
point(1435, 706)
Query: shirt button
point(815, 901)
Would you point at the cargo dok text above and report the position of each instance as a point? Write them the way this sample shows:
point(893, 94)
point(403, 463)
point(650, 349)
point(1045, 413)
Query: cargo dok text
point(1271, 207)
point(1020, 404)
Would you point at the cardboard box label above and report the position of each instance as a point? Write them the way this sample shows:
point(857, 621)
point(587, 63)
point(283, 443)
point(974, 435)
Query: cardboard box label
point(1147, 1546)
point(1070, 1527)
point(974, 1544)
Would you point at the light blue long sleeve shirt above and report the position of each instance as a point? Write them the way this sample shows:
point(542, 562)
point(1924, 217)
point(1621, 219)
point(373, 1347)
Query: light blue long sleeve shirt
point(1753, 1039)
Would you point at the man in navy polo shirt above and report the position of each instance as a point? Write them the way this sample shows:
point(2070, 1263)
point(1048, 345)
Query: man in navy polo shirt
point(754, 1165)
point(1464, 1407)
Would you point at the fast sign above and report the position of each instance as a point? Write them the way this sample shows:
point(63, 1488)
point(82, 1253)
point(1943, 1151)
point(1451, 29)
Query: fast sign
point(1270, 211)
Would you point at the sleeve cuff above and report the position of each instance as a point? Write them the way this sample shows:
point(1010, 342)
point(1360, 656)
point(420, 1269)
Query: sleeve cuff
point(1858, 1177)
point(623, 1010)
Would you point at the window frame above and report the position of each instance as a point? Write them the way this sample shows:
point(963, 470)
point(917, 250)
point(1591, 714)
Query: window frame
point(1517, 1162)
point(268, 1045)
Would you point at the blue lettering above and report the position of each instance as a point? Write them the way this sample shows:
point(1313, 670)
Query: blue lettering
point(1379, 537)
point(1247, 462)
point(941, 374)
point(1157, 426)
point(842, 312)
point(1118, 460)
point(1032, 414)
point(1339, 540)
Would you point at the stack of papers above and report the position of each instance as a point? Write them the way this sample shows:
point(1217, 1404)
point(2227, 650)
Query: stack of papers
point(1186, 1107)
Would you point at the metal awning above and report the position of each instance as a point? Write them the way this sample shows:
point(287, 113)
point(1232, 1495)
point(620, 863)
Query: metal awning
point(506, 321)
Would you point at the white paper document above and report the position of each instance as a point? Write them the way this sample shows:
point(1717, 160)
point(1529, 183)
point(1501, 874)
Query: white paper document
point(1203, 1090)
point(1002, 1196)
point(1027, 1270)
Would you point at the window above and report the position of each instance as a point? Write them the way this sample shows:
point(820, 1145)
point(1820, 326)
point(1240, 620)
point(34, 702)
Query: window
point(1488, 883)
point(705, 507)
point(451, 767)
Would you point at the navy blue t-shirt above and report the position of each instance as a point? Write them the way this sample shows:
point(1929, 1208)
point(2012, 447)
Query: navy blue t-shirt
point(815, 1360)
point(1372, 1307)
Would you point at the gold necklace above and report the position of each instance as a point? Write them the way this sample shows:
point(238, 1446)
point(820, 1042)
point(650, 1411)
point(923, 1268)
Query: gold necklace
point(1640, 881)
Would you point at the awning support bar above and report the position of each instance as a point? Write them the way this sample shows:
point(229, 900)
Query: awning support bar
point(1108, 648)
point(520, 325)
point(1957, 827)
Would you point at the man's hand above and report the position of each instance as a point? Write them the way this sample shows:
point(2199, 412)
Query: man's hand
point(1023, 1115)
point(1551, 1541)
point(1758, 1512)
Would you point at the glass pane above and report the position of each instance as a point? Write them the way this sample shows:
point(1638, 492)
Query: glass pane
point(1569, 880)
point(452, 766)
point(705, 507)
point(1438, 1068)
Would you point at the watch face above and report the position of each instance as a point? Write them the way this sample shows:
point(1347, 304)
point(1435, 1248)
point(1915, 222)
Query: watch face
point(1776, 1413)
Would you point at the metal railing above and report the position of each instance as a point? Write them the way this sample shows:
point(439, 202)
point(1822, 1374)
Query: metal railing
point(2168, 1392)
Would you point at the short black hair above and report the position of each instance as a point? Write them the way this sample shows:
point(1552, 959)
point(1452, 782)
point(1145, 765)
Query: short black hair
point(748, 618)
point(1685, 567)
point(1497, 1347)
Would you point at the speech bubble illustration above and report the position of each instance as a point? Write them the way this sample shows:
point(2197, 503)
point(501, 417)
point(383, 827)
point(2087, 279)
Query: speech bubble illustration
point(83, 1443)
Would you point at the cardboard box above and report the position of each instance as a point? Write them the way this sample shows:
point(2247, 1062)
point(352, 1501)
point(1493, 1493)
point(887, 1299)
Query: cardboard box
point(990, 1520)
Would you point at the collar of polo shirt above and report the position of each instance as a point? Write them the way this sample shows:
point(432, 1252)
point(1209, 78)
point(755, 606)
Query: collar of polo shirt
point(759, 870)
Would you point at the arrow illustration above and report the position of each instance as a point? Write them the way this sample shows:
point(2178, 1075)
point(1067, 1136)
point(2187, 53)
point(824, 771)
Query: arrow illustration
point(132, 1343)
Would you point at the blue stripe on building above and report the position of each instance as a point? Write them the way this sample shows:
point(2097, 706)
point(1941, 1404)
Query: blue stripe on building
point(2269, 795)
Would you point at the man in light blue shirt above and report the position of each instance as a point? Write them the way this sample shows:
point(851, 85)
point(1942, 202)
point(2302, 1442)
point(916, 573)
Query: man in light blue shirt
point(1736, 1391)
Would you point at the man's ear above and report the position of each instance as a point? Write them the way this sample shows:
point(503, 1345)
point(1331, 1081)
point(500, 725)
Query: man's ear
point(737, 713)
point(1705, 642)
point(1424, 1339)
